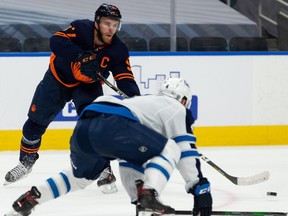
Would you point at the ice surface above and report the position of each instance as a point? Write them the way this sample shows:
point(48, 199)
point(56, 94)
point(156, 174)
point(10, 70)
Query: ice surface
point(236, 161)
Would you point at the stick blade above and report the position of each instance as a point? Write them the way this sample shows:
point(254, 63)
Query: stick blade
point(256, 179)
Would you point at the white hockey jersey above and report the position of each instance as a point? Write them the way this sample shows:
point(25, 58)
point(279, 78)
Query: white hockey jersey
point(163, 114)
point(168, 117)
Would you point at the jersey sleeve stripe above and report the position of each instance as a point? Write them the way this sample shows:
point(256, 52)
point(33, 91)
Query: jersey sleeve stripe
point(54, 72)
point(189, 154)
point(187, 138)
point(61, 34)
point(124, 76)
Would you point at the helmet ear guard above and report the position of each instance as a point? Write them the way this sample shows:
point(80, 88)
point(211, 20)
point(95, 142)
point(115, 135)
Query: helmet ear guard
point(109, 11)
point(178, 89)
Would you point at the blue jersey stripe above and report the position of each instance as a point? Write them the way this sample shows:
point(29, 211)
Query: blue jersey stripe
point(164, 158)
point(189, 154)
point(160, 168)
point(53, 187)
point(110, 109)
point(188, 138)
point(67, 183)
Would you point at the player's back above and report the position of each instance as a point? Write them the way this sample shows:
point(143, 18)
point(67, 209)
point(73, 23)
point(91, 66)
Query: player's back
point(161, 113)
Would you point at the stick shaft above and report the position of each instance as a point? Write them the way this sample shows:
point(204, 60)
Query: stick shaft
point(239, 213)
point(217, 168)
point(103, 79)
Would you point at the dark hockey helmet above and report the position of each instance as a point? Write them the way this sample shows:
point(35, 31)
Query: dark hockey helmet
point(107, 10)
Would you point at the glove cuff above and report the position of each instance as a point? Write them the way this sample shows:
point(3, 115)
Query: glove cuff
point(202, 187)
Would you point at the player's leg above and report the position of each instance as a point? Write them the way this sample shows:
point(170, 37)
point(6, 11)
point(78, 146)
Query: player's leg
point(47, 102)
point(132, 178)
point(84, 95)
point(156, 175)
point(52, 188)
point(28, 152)
point(83, 171)
point(137, 144)
point(157, 171)
point(129, 173)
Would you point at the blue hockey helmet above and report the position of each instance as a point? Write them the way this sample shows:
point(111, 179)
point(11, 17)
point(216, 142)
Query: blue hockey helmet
point(107, 10)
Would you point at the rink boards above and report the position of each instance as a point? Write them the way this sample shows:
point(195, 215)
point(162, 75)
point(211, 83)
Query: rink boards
point(238, 97)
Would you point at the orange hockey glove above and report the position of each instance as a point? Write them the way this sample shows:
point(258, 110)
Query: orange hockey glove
point(86, 67)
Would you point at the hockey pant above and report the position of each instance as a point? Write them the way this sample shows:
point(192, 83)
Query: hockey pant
point(157, 172)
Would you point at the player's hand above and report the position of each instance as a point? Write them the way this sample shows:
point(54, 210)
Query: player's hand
point(202, 198)
point(86, 67)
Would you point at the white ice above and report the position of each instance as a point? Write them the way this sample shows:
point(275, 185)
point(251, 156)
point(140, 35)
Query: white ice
point(237, 161)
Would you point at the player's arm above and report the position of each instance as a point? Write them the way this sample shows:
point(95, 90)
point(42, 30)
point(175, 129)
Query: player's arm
point(62, 43)
point(189, 121)
point(125, 79)
point(84, 65)
point(199, 189)
point(122, 73)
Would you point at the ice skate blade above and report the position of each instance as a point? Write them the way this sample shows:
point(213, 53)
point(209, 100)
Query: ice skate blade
point(22, 177)
point(149, 213)
point(8, 183)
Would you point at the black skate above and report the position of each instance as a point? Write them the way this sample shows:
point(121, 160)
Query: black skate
point(149, 205)
point(106, 181)
point(21, 170)
point(24, 205)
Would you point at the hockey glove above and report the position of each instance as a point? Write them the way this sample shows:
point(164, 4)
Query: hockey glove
point(86, 67)
point(202, 198)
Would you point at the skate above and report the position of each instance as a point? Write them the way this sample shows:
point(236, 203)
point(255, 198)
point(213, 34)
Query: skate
point(24, 205)
point(21, 170)
point(106, 181)
point(149, 204)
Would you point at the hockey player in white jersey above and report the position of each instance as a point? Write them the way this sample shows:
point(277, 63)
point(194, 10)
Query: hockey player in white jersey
point(137, 131)
point(175, 122)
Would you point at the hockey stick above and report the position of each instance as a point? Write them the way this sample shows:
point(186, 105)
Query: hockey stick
point(238, 213)
point(103, 79)
point(249, 180)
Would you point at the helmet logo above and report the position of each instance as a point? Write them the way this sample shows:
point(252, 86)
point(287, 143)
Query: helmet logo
point(185, 83)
